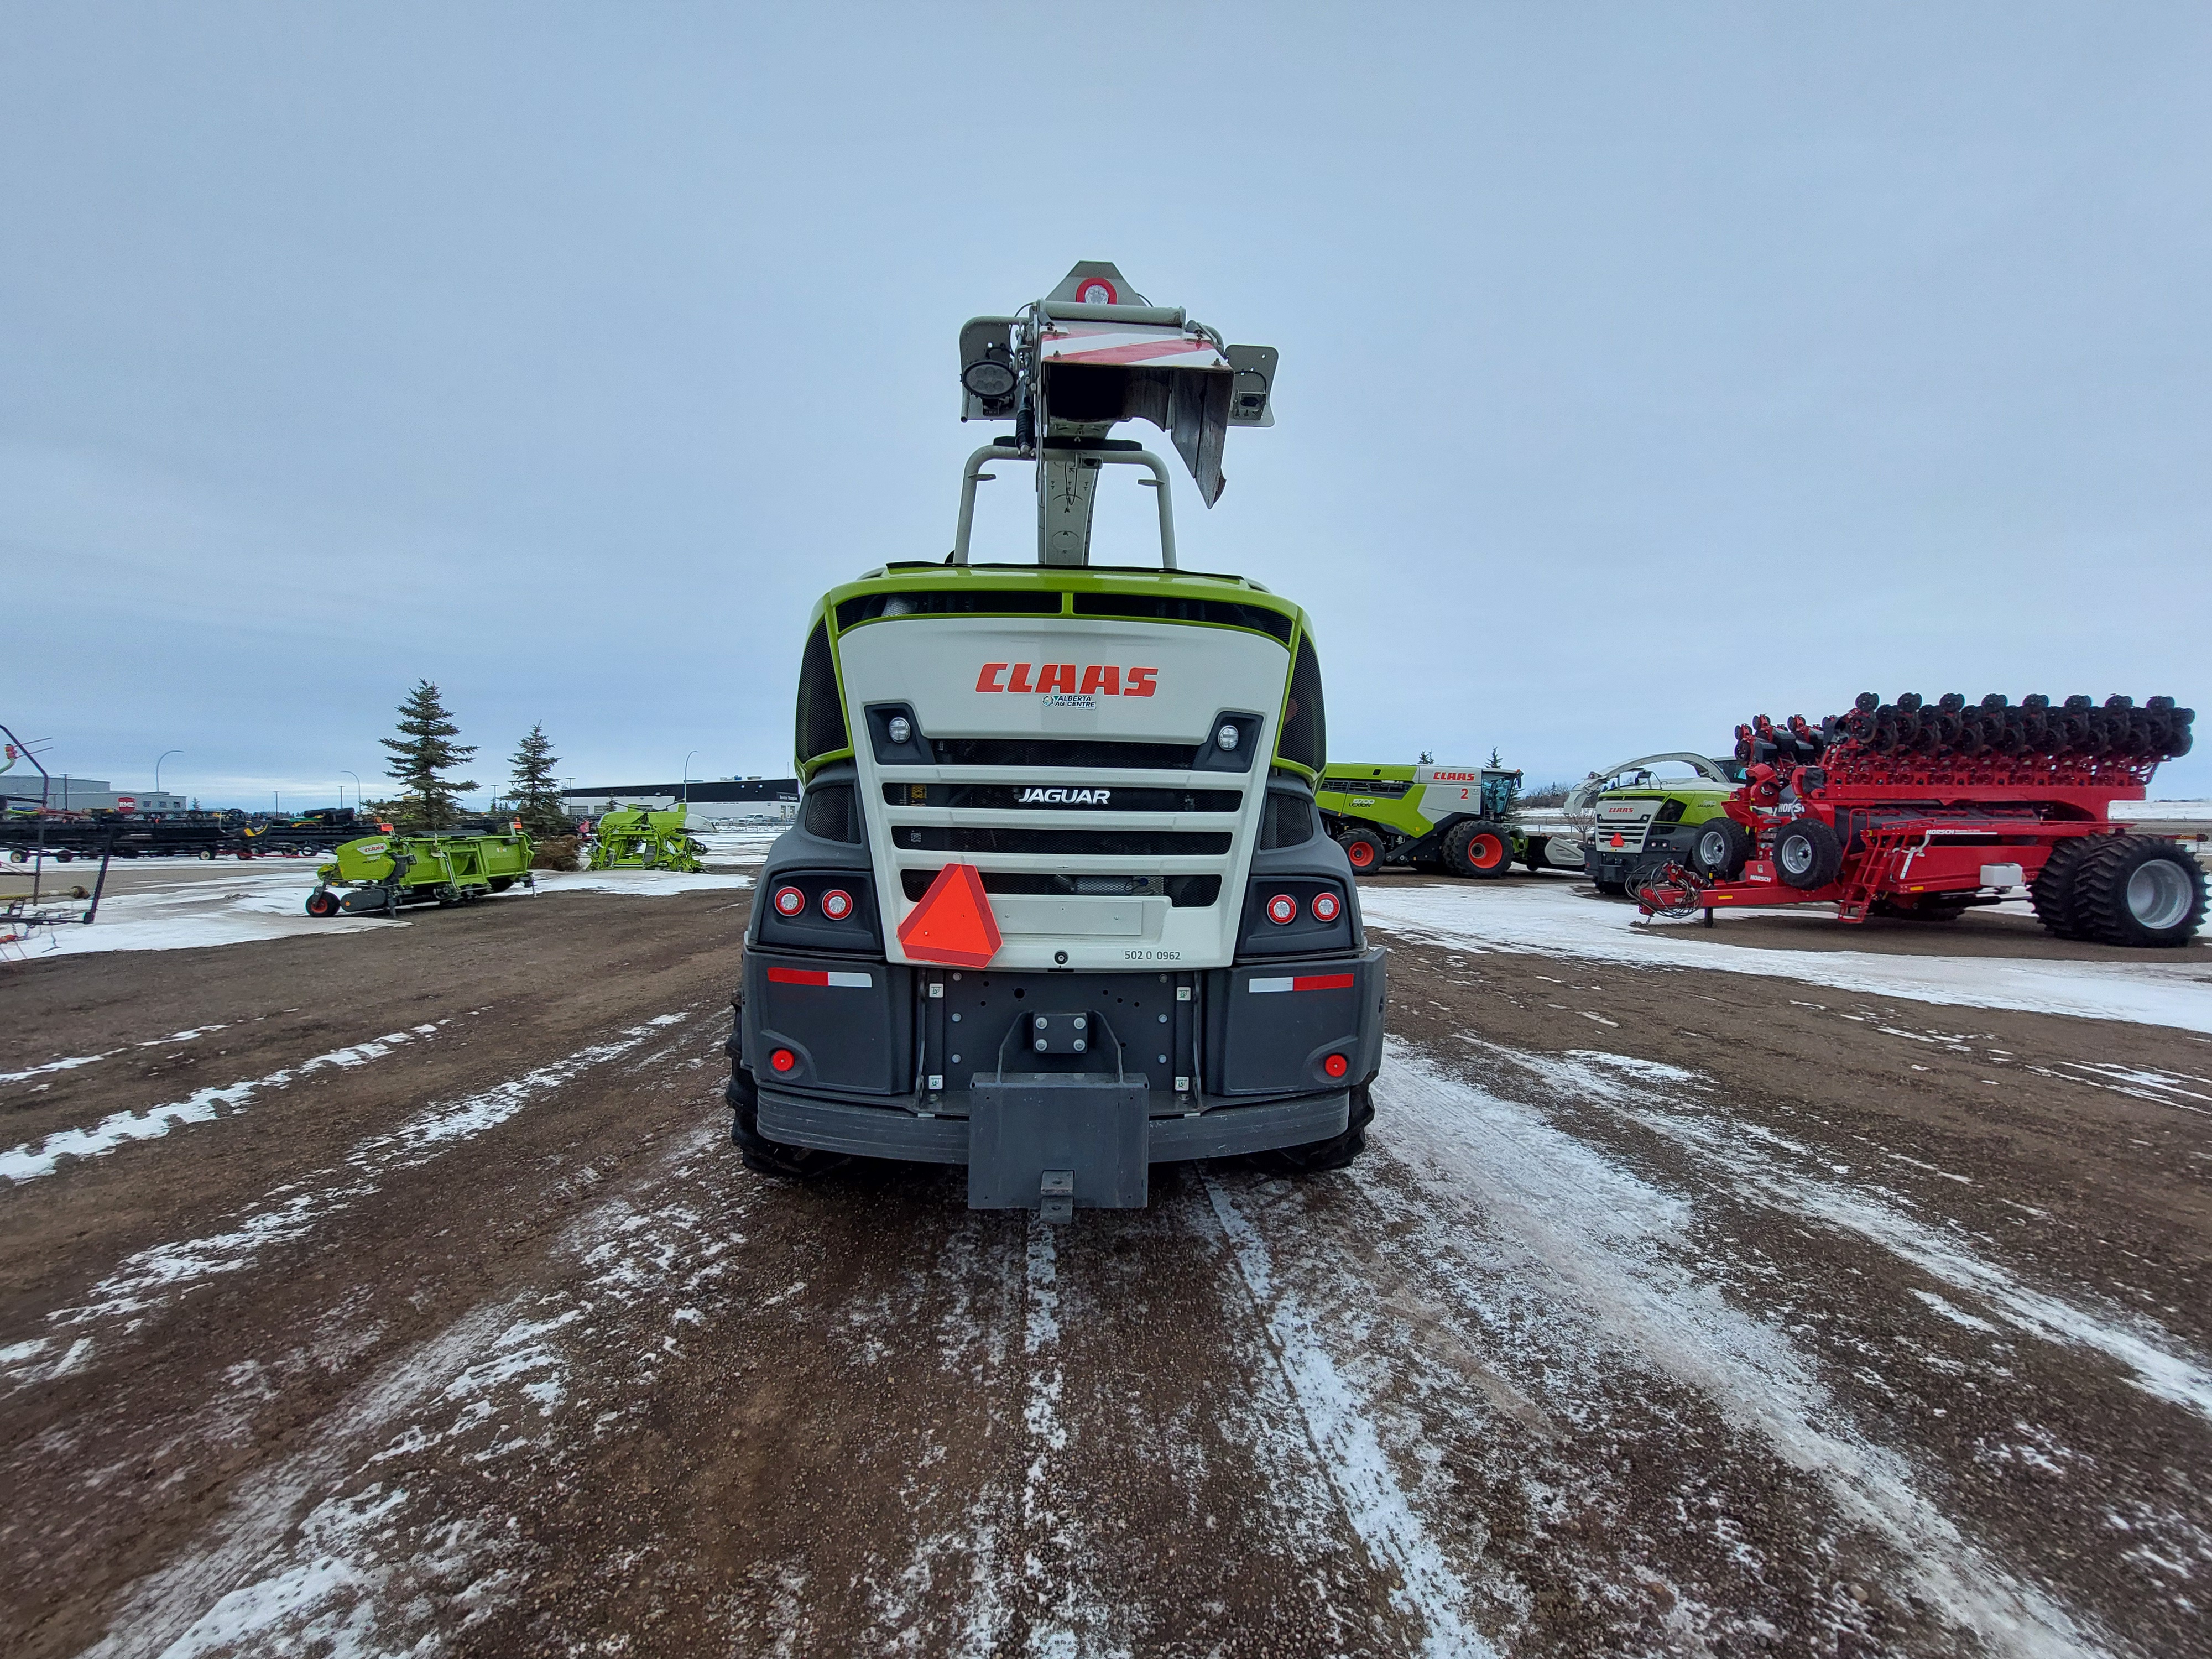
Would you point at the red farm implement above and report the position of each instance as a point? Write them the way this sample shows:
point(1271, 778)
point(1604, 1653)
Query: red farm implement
point(1927, 810)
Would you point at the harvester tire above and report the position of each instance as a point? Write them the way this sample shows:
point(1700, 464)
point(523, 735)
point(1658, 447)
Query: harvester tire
point(322, 902)
point(755, 1150)
point(1611, 888)
point(2054, 892)
point(1719, 848)
point(760, 1154)
point(1363, 849)
point(1318, 1157)
point(2139, 890)
point(1807, 854)
point(1480, 849)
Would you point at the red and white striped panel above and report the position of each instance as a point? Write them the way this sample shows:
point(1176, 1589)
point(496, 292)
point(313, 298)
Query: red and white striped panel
point(1127, 343)
point(1302, 982)
point(835, 981)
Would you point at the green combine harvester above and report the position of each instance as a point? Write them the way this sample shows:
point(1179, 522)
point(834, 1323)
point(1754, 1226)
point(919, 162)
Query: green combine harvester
point(635, 838)
point(1464, 820)
point(379, 873)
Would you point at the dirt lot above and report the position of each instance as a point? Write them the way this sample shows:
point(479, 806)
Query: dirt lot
point(397, 1293)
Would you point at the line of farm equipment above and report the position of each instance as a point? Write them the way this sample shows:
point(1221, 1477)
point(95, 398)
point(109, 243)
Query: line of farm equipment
point(1929, 810)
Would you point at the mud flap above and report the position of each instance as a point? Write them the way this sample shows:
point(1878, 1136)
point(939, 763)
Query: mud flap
point(1038, 1140)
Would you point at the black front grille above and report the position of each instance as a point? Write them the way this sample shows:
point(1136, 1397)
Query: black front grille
point(1071, 843)
point(1379, 787)
point(1048, 753)
point(820, 724)
point(950, 602)
point(1305, 736)
point(827, 813)
point(1183, 892)
point(1288, 819)
point(1009, 797)
point(1149, 607)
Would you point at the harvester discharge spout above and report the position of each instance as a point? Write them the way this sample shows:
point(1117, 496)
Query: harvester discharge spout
point(1068, 368)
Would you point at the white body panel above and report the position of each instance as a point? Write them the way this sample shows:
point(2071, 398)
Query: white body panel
point(1448, 791)
point(1622, 824)
point(1173, 678)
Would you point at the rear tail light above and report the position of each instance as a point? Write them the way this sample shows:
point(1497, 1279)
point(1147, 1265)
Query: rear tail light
point(1336, 1066)
point(789, 900)
point(783, 1059)
point(1282, 910)
point(1326, 907)
point(837, 904)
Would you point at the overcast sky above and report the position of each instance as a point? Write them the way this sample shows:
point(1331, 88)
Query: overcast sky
point(1643, 367)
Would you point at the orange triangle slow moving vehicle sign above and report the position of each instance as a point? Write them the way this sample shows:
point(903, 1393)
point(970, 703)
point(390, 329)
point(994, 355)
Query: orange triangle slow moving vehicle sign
point(953, 923)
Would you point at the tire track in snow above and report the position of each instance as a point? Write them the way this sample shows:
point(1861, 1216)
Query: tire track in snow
point(74, 1061)
point(2154, 1359)
point(1349, 1450)
point(28, 1161)
point(148, 1279)
point(357, 1545)
point(1606, 1248)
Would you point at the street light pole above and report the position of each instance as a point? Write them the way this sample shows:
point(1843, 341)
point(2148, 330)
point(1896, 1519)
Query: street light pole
point(164, 754)
point(355, 776)
point(687, 777)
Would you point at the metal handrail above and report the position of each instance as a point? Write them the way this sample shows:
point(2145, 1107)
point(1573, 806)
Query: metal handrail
point(972, 475)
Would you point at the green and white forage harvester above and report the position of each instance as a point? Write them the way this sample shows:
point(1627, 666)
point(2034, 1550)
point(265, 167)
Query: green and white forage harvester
point(1057, 905)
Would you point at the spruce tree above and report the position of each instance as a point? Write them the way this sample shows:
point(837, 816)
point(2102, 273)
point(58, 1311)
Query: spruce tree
point(422, 754)
point(535, 790)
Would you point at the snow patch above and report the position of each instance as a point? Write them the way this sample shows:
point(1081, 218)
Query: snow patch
point(1552, 919)
point(27, 1163)
point(1607, 1248)
point(149, 1278)
point(1352, 1454)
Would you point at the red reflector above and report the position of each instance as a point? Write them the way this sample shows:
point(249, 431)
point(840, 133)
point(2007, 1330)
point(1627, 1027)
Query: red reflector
point(789, 900)
point(798, 976)
point(1336, 1066)
point(1321, 982)
point(837, 904)
point(1325, 907)
point(783, 1059)
point(1282, 910)
point(953, 922)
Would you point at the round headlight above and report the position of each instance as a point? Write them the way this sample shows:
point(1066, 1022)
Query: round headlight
point(901, 728)
point(989, 380)
point(1227, 738)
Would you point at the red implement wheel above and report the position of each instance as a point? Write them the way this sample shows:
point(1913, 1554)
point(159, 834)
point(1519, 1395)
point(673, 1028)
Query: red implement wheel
point(1480, 849)
point(2139, 890)
point(1719, 848)
point(2053, 889)
point(1807, 854)
point(1362, 850)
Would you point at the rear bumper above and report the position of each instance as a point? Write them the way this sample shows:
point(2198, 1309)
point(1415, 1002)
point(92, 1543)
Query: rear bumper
point(933, 1066)
point(892, 1133)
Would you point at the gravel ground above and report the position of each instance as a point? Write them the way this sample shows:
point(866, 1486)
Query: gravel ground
point(398, 1293)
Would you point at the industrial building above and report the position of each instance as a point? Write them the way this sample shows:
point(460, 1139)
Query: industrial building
point(67, 794)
